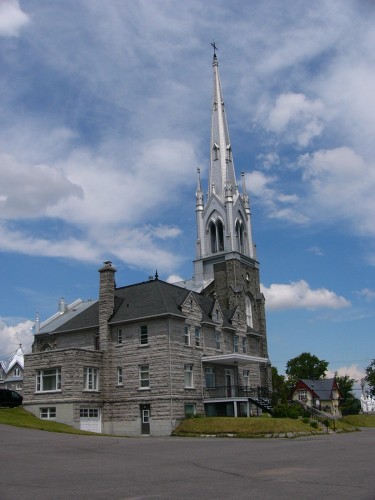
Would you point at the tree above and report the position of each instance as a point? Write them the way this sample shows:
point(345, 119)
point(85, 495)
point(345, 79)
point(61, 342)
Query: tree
point(307, 366)
point(349, 404)
point(370, 376)
point(279, 388)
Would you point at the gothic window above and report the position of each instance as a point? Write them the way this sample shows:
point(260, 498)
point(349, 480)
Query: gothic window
point(229, 152)
point(220, 235)
point(213, 237)
point(240, 236)
point(216, 231)
point(249, 311)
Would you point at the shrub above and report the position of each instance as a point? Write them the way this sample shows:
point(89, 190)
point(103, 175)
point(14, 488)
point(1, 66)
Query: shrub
point(285, 411)
point(314, 424)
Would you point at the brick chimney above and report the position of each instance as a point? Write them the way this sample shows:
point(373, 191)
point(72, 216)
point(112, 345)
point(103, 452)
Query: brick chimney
point(106, 301)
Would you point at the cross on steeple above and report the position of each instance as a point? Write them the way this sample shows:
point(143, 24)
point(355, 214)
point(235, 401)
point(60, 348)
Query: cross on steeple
point(215, 48)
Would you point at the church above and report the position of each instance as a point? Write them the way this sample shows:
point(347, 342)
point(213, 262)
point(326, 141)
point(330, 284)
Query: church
point(144, 356)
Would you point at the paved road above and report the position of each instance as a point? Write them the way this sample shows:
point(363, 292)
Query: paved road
point(43, 465)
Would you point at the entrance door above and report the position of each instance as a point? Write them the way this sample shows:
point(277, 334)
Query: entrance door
point(229, 382)
point(145, 419)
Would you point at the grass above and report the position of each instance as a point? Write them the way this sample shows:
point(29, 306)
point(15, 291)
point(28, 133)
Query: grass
point(360, 420)
point(19, 417)
point(241, 427)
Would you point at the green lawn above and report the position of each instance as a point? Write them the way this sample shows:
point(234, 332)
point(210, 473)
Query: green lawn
point(241, 427)
point(21, 418)
point(360, 420)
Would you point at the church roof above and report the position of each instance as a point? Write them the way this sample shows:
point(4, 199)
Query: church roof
point(16, 358)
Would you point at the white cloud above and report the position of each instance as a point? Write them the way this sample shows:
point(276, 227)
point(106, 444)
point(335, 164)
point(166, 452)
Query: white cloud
point(174, 278)
point(353, 371)
point(297, 116)
point(12, 18)
point(366, 293)
point(28, 191)
point(11, 336)
point(340, 184)
point(315, 250)
point(299, 295)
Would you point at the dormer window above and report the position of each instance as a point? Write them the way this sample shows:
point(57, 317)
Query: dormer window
point(17, 371)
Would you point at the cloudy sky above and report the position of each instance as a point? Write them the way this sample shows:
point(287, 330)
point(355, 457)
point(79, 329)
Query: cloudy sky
point(105, 117)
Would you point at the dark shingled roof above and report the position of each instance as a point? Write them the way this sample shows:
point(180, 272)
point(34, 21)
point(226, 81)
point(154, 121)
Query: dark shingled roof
point(133, 302)
point(321, 388)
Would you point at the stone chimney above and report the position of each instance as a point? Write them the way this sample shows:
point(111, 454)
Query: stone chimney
point(106, 301)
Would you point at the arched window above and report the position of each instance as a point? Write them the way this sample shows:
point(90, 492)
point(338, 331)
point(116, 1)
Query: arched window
point(46, 347)
point(213, 237)
point(249, 311)
point(240, 236)
point(220, 235)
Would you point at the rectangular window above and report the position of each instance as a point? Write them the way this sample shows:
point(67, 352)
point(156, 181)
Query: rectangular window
point(119, 336)
point(246, 378)
point(218, 340)
point(48, 413)
point(189, 409)
point(235, 343)
point(244, 345)
point(144, 335)
point(89, 412)
point(197, 336)
point(119, 376)
point(209, 374)
point(17, 372)
point(144, 376)
point(187, 335)
point(302, 395)
point(91, 376)
point(48, 380)
point(189, 376)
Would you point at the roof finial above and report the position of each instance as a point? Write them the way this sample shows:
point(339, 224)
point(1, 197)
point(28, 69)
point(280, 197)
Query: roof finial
point(215, 49)
point(156, 275)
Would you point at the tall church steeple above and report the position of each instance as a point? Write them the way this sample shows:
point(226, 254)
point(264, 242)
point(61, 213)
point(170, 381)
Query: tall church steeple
point(224, 222)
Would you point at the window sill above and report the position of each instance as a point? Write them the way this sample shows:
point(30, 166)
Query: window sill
point(48, 392)
point(144, 388)
point(189, 388)
point(91, 390)
point(119, 385)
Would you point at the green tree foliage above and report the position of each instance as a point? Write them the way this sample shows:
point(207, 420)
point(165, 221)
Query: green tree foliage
point(349, 404)
point(279, 388)
point(305, 365)
point(370, 376)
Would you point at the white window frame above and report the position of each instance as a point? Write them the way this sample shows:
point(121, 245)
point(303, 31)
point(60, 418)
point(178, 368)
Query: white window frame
point(244, 345)
point(302, 395)
point(187, 335)
point(144, 376)
point(91, 379)
point(249, 311)
point(189, 376)
point(209, 376)
point(190, 409)
point(235, 343)
point(52, 375)
point(120, 378)
point(47, 413)
point(246, 378)
point(89, 413)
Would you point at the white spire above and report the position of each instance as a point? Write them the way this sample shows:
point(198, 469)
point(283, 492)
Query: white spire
point(221, 174)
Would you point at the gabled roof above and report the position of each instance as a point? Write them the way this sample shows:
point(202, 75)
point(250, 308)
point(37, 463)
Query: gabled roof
point(322, 389)
point(16, 358)
point(133, 302)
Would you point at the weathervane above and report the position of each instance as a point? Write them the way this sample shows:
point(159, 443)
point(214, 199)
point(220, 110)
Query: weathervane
point(215, 48)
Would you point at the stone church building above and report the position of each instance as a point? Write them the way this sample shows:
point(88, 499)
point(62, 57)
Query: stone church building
point(142, 356)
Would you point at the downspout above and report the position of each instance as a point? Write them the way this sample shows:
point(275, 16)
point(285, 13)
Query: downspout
point(170, 373)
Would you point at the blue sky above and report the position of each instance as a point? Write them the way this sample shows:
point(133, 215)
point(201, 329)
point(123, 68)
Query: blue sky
point(105, 117)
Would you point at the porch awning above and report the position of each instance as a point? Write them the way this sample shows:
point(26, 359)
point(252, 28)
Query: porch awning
point(233, 359)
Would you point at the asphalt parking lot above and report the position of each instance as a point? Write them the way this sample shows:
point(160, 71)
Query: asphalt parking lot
point(43, 465)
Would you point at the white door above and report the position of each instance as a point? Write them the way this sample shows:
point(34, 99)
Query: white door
point(90, 420)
